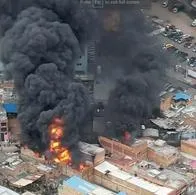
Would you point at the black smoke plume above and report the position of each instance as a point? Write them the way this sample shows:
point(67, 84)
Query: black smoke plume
point(40, 41)
point(142, 62)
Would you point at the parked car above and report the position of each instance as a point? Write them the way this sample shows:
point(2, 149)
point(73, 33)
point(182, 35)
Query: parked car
point(193, 23)
point(192, 60)
point(183, 38)
point(188, 45)
point(194, 49)
point(165, 3)
point(189, 39)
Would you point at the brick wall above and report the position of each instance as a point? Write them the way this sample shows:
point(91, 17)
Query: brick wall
point(188, 148)
point(161, 159)
point(138, 151)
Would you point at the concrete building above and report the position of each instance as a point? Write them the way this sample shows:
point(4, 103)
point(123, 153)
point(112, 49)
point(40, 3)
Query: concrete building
point(113, 178)
point(189, 147)
point(14, 129)
point(4, 134)
point(86, 60)
point(137, 150)
point(162, 154)
point(178, 180)
point(86, 173)
point(19, 173)
point(81, 64)
point(92, 153)
point(77, 186)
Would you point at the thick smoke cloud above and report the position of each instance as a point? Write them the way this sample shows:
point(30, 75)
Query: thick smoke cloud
point(135, 97)
point(40, 41)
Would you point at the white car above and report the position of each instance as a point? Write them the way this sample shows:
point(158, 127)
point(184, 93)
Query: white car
point(193, 23)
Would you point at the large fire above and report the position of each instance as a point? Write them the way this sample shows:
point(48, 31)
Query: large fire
point(61, 154)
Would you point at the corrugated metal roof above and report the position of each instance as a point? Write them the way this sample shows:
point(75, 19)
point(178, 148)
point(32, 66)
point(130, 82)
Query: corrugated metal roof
point(10, 107)
point(80, 185)
point(181, 96)
point(87, 188)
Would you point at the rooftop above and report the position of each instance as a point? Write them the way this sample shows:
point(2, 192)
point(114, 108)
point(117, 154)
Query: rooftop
point(181, 96)
point(163, 149)
point(110, 169)
point(86, 188)
point(166, 177)
point(90, 148)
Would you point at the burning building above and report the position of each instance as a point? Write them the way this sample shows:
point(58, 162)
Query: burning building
point(43, 40)
point(41, 64)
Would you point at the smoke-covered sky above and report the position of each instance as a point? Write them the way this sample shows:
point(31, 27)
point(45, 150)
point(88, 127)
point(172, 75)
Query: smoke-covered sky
point(40, 40)
point(142, 62)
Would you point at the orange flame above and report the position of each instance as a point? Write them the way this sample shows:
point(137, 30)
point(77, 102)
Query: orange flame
point(62, 154)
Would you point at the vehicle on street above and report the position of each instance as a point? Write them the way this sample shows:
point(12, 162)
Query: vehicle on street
point(192, 61)
point(165, 3)
point(193, 23)
point(185, 38)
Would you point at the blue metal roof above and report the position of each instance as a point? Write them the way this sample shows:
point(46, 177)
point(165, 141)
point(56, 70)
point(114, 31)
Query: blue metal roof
point(80, 185)
point(181, 96)
point(121, 193)
point(10, 107)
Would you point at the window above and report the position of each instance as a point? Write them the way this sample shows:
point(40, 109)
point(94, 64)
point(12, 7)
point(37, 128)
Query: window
point(79, 64)
point(3, 124)
point(3, 129)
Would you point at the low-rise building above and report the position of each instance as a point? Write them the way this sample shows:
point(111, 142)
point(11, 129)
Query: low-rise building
point(169, 177)
point(114, 178)
point(189, 147)
point(137, 150)
point(77, 186)
point(162, 154)
point(92, 153)
point(29, 155)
